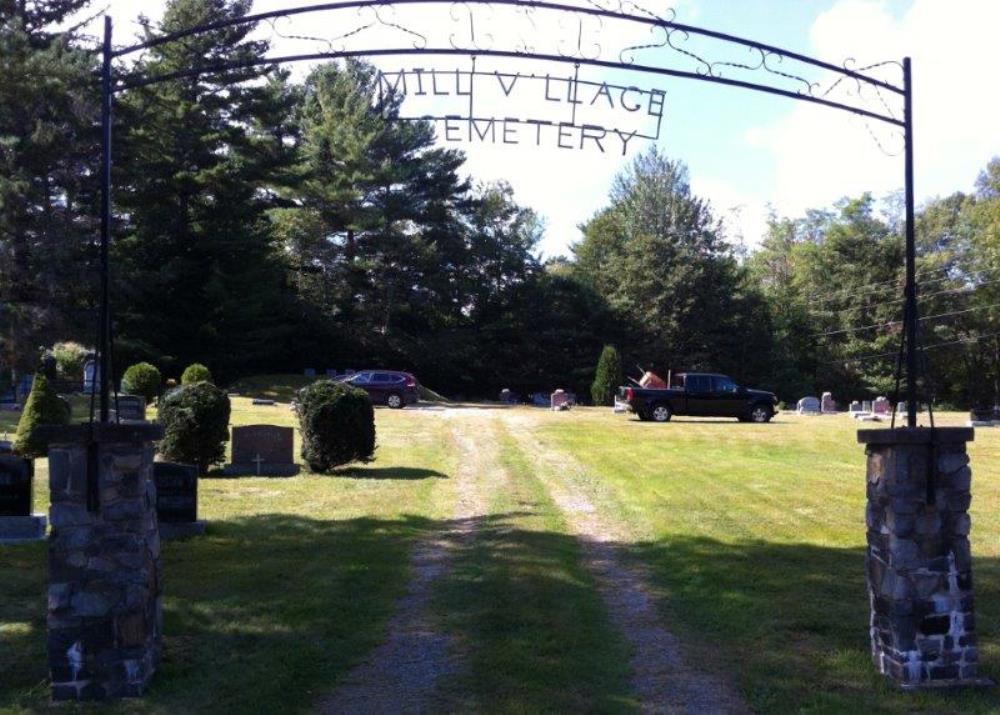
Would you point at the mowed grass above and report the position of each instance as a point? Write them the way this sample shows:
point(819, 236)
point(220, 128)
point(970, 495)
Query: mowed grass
point(291, 585)
point(755, 537)
point(534, 627)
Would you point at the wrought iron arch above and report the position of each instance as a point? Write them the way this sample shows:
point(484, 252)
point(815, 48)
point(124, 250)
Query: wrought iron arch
point(767, 71)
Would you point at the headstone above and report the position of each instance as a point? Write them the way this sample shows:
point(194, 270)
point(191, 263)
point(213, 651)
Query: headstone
point(17, 523)
point(809, 406)
point(309, 372)
point(980, 417)
point(855, 408)
point(540, 399)
point(261, 401)
point(177, 500)
point(263, 450)
point(881, 406)
point(559, 400)
point(918, 560)
point(130, 408)
point(828, 404)
point(105, 620)
point(91, 376)
point(866, 406)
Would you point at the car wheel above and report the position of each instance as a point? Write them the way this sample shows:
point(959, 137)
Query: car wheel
point(661, 413)
point(394, 401)
point(761, 414)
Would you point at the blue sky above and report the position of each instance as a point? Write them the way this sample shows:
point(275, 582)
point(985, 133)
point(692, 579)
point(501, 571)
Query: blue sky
point(746, 151)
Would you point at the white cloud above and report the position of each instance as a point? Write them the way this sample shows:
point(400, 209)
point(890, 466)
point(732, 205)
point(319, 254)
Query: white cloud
point(822, 155)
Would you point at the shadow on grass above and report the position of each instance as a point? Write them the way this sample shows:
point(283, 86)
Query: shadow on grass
point(402, 473)
point(266, 613)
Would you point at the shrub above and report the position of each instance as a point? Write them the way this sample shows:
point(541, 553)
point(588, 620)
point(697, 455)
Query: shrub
point(195, 421)
point(43, 407)
point(337, 423)
point(607, 377)
point(70, 358)
point(196, 372)
point(142, 379)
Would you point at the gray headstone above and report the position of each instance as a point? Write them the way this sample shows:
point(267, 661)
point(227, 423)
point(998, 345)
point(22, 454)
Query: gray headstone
point(828, 404)
point(855, 407)
point(130, 407)
point(809, 405)
point(16, 476)
point(263, 450)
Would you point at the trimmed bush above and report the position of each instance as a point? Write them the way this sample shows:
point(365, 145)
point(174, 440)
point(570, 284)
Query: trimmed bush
point(196, 372)
point(337, 423)
point(142, 379)
point(607, 377)
point(43, 407)
point(195, 421)
point(70, 358)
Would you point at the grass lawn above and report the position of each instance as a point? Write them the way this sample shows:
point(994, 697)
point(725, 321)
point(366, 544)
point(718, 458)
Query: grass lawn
point(753, 537)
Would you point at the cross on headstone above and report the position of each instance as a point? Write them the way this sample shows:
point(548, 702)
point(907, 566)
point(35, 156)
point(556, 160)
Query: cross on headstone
point(258, 460)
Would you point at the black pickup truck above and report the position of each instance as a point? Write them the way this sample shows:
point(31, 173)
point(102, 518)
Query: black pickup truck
point(700, 394)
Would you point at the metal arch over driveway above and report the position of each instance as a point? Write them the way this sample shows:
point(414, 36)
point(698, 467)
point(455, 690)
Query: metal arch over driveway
point(770, 70)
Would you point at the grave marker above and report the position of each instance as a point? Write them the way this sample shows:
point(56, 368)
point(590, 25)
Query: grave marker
point(177, 500)
point(17, 523)
point(263, 450)
point(828, 404)
point(809, 406)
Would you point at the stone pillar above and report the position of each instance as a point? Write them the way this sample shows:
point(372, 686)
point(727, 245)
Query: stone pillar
point(918, 561)
point(104, 614)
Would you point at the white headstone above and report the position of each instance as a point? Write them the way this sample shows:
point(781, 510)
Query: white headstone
point(828, 405)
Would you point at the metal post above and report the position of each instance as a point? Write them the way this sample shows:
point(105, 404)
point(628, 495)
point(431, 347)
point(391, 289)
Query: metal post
point(911, 256)
point(104, 339)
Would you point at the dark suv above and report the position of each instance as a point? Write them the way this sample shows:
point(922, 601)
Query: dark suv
point(387, 387)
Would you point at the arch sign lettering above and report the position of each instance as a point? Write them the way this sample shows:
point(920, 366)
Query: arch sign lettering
point(588, 76)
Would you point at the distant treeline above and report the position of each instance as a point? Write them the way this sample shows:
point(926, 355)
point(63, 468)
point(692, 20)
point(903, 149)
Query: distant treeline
point(265, 225)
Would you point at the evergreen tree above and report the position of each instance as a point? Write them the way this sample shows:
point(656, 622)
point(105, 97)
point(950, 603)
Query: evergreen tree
point(198, 160)
point(607, 377)
point(47, 159)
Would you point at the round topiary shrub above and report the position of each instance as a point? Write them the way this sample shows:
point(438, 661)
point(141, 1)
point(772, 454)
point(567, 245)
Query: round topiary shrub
point(142, 379)
point(195, 372)
point(43, 407)
point(337, 423)
point(195, 421)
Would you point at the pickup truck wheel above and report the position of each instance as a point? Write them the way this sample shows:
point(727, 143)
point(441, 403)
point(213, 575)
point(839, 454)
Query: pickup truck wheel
point(661, 413)
point(761, 414)
point(642, 415)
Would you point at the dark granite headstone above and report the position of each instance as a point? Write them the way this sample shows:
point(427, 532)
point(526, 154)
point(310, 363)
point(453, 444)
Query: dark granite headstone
point(16, 476)
point(176, 492)
point(177, 500)
point(263, 450)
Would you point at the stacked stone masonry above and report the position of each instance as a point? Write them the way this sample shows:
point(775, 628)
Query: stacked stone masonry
point(919, 567)
point(104, 611)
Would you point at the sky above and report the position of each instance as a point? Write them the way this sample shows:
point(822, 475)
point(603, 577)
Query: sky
point(748, 153)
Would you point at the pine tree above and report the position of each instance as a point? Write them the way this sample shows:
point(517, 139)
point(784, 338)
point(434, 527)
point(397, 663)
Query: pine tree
point(607, 377)
point(47, 158)
point(199, 157)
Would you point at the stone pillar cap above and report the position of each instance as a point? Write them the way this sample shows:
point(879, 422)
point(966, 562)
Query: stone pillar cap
point(101, 433)
point(916, 435)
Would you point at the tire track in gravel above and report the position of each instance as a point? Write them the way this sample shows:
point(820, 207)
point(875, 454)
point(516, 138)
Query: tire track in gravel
point(661, 679)
point(403, 673)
